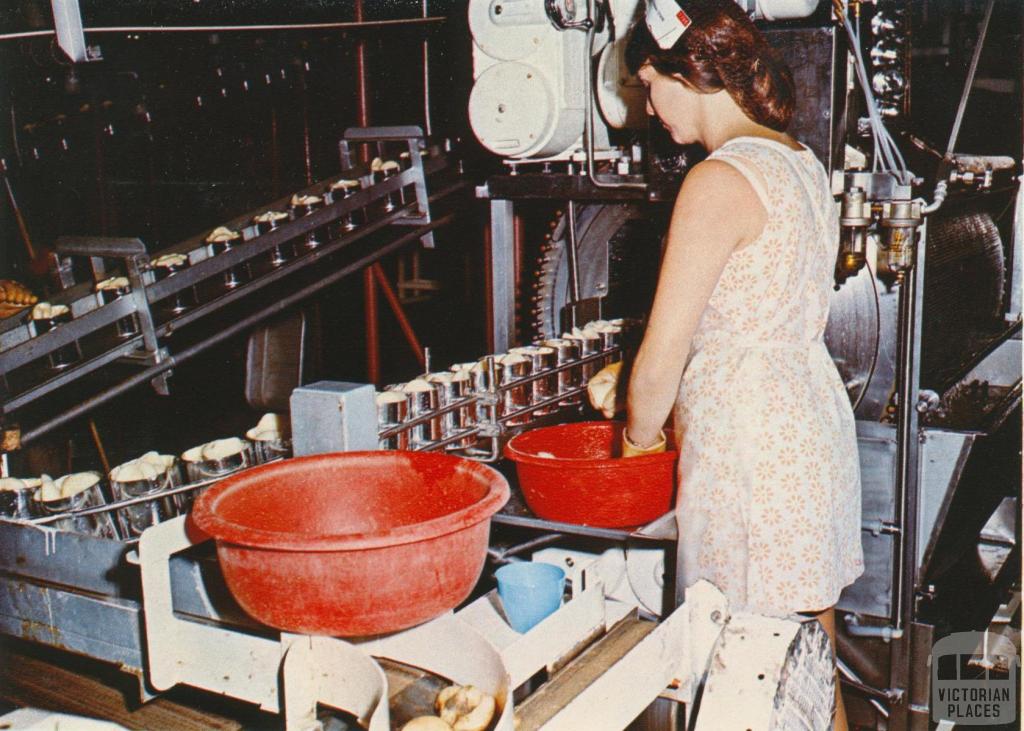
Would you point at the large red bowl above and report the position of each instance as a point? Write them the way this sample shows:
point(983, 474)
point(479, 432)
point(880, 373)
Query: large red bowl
point(573, 473)
point(355, 543)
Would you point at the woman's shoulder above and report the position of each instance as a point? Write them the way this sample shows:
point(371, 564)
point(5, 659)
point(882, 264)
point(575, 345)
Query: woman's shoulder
point(717, 190)
point(732, 182)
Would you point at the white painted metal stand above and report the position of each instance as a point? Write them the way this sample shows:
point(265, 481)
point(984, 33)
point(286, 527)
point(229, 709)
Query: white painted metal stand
point(474, 647)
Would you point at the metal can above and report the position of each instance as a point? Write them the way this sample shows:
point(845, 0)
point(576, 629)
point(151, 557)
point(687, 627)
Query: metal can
point(393, 410)
point(567, 351)
point(423, 400)
point(513, 367)
point(88, 495)
point(542, 358)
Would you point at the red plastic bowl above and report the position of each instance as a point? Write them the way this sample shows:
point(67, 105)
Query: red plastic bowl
point(572, 473)
point(355, 543)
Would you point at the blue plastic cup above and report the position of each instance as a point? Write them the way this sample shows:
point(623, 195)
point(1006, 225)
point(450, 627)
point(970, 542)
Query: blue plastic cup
point(529, 592)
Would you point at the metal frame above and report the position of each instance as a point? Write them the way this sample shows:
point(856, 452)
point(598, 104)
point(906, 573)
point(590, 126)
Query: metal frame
point(19, 345)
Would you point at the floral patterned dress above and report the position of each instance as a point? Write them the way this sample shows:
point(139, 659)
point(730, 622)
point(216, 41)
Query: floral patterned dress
point(769, 506)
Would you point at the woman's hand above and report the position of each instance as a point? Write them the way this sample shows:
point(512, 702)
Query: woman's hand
point(631, 449)
point(603, 390)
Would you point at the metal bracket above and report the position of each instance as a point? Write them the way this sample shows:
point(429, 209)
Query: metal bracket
point(414, 139)
point(136, 261)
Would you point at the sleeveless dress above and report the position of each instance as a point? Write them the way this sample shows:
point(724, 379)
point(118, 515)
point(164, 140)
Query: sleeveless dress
point(769, 506)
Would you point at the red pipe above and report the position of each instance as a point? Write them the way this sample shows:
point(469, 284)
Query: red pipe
point(369, 285)
point(396, 307)
point(372, 330)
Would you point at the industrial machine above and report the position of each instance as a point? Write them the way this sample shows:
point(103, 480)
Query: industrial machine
point(924, 325)
point(925, 330)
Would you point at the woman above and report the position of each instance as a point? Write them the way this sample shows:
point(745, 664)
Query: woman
point(769, 485)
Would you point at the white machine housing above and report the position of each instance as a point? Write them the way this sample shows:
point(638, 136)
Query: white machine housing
point(528, 101)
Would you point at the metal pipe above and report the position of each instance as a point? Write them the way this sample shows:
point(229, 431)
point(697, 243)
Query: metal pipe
point(588, 112)
point(904, 580)
point(497, 390)
point(502, 555)
point(221, 28)
point(969, 82)
point(427, 126)
point(126, 502)
point(399, 312)
point(230, 331)
point(855, 629)
point(851, 679)
point(440, 443)
point(570, 255)
point(941, 188)
point(362, 93)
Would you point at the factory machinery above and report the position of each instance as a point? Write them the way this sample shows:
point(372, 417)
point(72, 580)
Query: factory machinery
point(925, 330)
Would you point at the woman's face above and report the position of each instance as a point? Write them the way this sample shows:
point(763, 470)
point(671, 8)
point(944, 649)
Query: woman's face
point(672, 102)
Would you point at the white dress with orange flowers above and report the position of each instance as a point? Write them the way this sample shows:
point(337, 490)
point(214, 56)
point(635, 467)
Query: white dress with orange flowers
point(769, 478)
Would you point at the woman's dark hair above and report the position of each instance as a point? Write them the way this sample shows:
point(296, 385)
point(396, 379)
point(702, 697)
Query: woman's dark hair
point(722, 49)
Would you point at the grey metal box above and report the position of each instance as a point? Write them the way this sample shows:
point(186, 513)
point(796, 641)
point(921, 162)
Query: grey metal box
point(333, 416)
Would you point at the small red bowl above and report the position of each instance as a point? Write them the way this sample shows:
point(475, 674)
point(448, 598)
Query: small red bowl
point(572, 473)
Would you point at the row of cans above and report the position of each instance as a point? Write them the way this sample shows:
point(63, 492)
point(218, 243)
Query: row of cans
point(147, 476)
point(222, 240)
point(524, 393)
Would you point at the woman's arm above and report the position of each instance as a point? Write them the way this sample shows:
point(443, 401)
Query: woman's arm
point(715, 212)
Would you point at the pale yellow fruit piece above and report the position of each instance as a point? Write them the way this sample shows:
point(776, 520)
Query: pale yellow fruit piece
point(221, 448)
point(270, 427)
point(11, 483)
point(222, 233)
point(170, 260)
point(390, 397)
point(418, 386)
point(48, 489)
point(345, 184)
point(161, 462)
point(112, 283)
point(426, 723)
point(134, 471)
point(77, 482)
point(465, 708)
point(195, 454)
